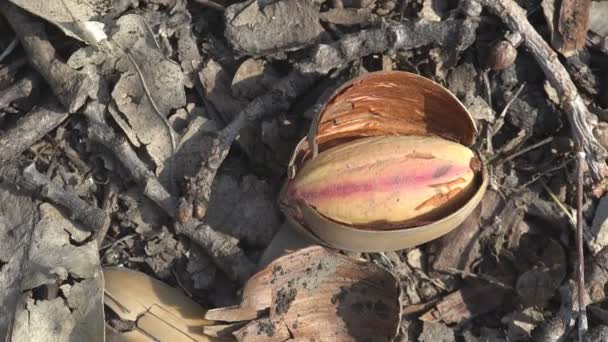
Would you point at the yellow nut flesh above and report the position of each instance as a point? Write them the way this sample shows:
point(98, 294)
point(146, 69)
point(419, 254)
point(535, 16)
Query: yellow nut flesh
point(388, 179)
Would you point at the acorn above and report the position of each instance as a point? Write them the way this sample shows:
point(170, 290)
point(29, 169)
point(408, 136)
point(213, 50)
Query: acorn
point(394, 167)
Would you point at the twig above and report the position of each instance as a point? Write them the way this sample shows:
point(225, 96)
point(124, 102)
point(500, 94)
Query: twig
point(19, 90)
point(501, 117)
point(571, 102)
point(545, 172)
point(582, 323)
point(70, 86)
point(211, 4)
point(588, 237)
point(9, 71)
point(525, 150)
point(29, 179)
point(151, 185)
point(458, 34)
point(108, 200)
point(485, 277)
point(31, 128)
point(9, 49)
point(223, 249)
point(277, 99)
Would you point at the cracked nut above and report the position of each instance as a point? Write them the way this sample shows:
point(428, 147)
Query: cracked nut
point(393, 169)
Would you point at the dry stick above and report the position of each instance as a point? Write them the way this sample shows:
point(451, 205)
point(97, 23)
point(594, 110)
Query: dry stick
point(29, 179)
point(458, 34)
point(19, 90)
point(31, 128)
point(576, 111)
point(152, 187)
point(501, 117)
point(9, 49)
point(277, 99)
point(524, 151)
point(224, 249)
point(211, 4)
point(582, 323)
point(588, 238)
point(70, 86)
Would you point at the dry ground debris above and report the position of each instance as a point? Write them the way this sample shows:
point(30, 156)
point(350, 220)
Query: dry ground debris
point(156, 135)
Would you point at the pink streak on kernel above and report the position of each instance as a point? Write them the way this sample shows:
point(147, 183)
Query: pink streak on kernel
point(415, 175)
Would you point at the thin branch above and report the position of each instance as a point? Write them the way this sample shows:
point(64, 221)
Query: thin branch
point(27, 178)
point(222, 248)
point(19, 90)
point(501, 117)
point(524, 151)
point(9, 49)
point(151, 185)
point(582, 318)
point(211, 4)
point(31, 128)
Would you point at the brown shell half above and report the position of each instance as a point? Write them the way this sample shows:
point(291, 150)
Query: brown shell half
point(386, 103)
point(393, 102)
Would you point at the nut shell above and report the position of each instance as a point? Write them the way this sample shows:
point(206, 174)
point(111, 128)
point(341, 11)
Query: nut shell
point(377, 104)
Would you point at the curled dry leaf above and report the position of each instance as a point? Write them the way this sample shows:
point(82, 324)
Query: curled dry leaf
point(395, 145)
point(317, 294)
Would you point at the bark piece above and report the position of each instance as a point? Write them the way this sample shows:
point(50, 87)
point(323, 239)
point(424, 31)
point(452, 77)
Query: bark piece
point(459, 248)
point(568, 24)
point(280, 26)
point(465, 303)
point(253, 78)
point(263, 330)
point(599, 228)
point(74, 17)
point(349, 16)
